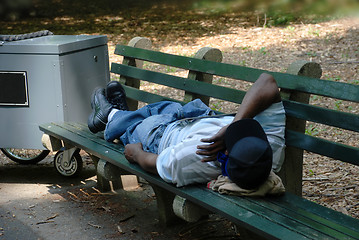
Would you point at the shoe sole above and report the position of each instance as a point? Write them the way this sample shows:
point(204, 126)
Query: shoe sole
point(119, 88)
point(91, 119)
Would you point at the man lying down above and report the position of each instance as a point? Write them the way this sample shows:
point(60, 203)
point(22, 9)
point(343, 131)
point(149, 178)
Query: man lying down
point(189, 144)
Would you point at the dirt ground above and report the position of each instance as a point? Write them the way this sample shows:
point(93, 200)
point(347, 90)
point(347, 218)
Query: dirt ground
point(37, 203)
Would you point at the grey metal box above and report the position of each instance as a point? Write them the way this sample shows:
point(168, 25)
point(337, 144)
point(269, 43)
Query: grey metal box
point(45, 79)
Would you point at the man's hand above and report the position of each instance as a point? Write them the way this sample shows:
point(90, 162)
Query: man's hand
point(216, 144)
point(131, 150)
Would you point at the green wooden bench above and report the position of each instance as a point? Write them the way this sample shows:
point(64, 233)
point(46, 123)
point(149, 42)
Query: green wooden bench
point(285, 217)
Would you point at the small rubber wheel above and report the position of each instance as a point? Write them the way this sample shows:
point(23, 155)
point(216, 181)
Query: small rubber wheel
point(71, 169)
point(25, 156)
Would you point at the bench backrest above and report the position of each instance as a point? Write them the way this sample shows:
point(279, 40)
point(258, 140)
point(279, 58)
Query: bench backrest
point(300, 81)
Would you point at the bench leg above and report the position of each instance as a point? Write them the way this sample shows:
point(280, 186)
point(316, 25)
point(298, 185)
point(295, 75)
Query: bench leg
point(164, 204)
point(111, 177)
point(102, 183)
point(188, 211)
point(110, 173)
point(51, 143)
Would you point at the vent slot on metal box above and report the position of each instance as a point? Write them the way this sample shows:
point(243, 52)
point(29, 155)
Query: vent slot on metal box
point(13, 89)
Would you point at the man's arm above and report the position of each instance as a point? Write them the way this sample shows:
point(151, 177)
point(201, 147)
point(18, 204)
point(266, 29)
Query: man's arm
point(263, 93)
point(134, 154)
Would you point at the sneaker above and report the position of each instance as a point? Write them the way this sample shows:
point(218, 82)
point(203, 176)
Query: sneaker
point(101, 108)
point(116, 95)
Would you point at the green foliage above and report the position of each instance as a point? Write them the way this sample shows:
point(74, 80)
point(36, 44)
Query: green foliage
point(219, 80)
point(263, 51)
point(280, 19)
point(315, 97)
point(313, 32)
point(311, 54)
point(243, 63)
point(247, 49)
point(335, 78)
point(170, 69)
point(291, 28)
point(311, 130)
point(216, 106)
point(338, 104)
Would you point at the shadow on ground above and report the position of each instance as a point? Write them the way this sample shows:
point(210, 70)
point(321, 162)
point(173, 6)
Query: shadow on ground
point(37, 203)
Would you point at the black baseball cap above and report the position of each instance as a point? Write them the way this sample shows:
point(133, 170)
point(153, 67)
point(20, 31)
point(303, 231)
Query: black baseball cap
point(249, 152)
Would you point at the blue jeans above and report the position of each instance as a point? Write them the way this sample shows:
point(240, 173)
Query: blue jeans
point(146, 125)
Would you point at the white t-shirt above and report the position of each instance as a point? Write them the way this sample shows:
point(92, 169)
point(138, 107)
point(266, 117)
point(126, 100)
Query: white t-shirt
point(178, 162)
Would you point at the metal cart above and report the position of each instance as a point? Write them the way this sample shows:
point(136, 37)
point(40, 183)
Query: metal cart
point(44, 78)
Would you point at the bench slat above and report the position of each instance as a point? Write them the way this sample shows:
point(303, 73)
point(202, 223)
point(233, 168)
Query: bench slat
point(337, 90)
point(314, 226)
point(328, 88)
point(252, 213)
point(193, 86)
point(306, 219)
point(279, 218)
point(329, 117)
point(147, 97)
point(270, 218)
point(342, 222)
point(323, 147)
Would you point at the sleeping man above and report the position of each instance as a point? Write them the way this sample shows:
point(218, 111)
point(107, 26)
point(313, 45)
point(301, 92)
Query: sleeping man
point(190, 144)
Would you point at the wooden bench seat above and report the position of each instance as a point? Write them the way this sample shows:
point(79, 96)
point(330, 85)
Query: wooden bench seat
point(285, 217)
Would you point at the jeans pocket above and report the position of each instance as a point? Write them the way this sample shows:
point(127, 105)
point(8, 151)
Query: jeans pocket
point(153, 139)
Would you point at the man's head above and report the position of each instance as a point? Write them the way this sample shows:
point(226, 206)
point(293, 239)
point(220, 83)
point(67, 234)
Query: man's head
point(249, 152)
